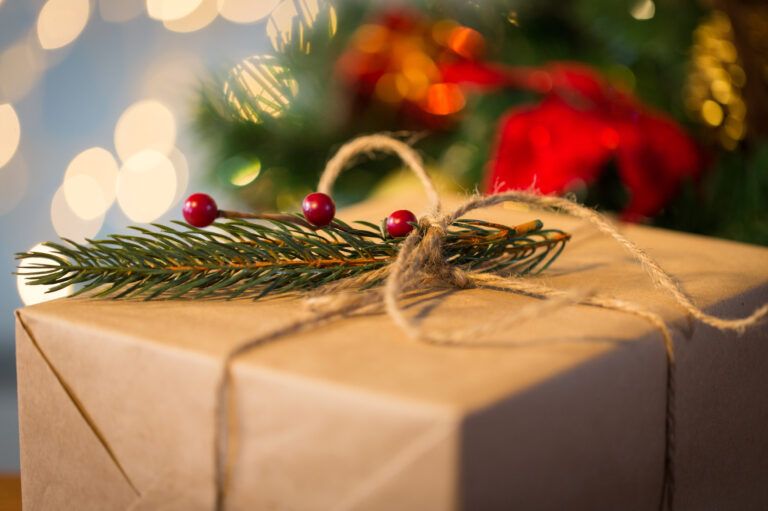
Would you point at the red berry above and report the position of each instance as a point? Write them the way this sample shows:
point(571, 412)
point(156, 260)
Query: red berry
point(400, 223)
point(200, 210)
point(318, 209)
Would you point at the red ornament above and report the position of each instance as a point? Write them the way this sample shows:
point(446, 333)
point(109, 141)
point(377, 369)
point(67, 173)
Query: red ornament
point(581, 124)
point(400, 223)
point(318, 209)
point(200, 210)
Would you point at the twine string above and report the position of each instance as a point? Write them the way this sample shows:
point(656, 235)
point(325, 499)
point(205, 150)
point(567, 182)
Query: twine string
point(420, 265)
point(383, 143)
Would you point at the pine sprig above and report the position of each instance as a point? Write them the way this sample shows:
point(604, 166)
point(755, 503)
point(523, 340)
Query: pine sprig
point(238, 258)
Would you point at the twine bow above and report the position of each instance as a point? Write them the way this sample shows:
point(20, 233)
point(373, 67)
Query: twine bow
point(420, 264)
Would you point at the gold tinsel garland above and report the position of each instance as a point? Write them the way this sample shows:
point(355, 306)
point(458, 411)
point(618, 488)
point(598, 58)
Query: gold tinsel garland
point(714, 90)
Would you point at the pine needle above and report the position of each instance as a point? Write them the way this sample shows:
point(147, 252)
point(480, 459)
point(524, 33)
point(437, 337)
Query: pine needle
point(238, 258)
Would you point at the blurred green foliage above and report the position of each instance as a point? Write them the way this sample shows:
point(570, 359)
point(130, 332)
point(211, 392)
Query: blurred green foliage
point(648, 56)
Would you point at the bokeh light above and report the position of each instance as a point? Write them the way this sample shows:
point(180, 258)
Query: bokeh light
point(146, 186)
point(167, 10)
point(418, 72)
point(734, 128)
point(30, 294)
point(10, 133)
point(711, 113)
point(721, 90)
point(246, 11)
point(68, 224)
point(201, 17)
point(21, 66)
point(643, 10)
point(370, 38)
point(120, 11)
point(84, 197)
point(444, 99)
point(441, 30)
point(466, 42)
point(90, 182)
point(714, 89)
point(61, 21)
point(400, 65)
point(294, 18)
point(391, 88)
point(246, 174)
point(279, 25)
point(259, 86)
point(737, 108)
point(14, 179)
point(146, 124)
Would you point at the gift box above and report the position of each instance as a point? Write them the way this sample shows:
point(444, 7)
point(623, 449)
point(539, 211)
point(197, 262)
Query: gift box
point(117, 399)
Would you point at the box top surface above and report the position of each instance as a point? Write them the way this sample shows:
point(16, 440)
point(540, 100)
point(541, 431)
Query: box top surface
point(370, 353)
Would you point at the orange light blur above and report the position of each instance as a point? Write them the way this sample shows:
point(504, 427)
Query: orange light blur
point(390, 88)
point(444, 99)
point(402, 65)
point(420, 62)
point(466, 42)
point(371, 38)
point(441, 31)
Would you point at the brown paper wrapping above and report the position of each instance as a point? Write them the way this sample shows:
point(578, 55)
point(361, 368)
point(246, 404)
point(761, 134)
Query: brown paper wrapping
point(116, 398)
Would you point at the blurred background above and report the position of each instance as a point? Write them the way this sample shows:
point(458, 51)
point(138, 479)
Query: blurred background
point(112, 111)
point(93, 93)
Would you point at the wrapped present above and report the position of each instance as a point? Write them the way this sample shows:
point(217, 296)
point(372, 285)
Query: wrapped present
point(567, 410)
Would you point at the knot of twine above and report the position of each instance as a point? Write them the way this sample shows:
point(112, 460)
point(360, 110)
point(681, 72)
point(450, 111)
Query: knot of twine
point(420, 265)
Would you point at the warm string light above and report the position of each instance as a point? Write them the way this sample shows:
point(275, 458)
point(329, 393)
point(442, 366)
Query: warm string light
point(146, 185)
point(285, 19)
point(146, 124)
point(202, 16)
point(169, 10)
point(89, 183)
point(61, 21)
point(153, 175)
point(68, 224)
point(399, 62)
point(713, 92)
point(154, 172)
point(246, 11)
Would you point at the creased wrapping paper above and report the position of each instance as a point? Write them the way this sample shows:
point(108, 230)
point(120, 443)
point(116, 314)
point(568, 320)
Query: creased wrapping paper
point(116, 397)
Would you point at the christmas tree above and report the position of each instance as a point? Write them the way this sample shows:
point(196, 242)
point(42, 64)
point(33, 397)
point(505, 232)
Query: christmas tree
point(648, 109)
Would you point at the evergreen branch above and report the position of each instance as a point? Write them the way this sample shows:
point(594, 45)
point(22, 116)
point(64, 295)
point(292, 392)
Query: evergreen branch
point(241, 258)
